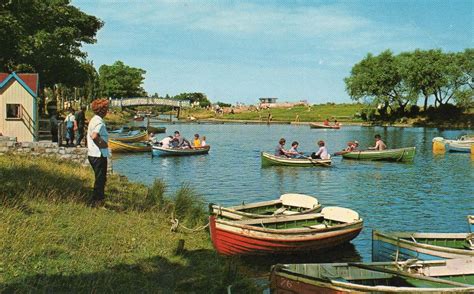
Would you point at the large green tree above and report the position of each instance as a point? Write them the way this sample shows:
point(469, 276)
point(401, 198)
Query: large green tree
point(194, 97)
point(121, 81)
point(45, 36)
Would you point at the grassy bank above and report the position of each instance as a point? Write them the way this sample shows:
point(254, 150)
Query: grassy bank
point(53, 241)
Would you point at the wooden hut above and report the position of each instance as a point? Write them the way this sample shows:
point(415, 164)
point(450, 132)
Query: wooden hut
point(18, 106)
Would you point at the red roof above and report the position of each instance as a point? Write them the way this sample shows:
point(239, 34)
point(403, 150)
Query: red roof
point(30, 80)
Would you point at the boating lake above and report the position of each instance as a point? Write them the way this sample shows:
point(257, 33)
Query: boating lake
point(435, 193)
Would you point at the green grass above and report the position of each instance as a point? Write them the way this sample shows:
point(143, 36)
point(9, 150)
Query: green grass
point(315, 113)
point(51, 240)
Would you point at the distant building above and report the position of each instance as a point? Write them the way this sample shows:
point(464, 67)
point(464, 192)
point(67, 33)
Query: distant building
point(268, 100)
point(18, 106)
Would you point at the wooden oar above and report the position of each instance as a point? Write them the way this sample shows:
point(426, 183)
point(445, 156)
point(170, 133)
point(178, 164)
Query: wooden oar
point(316, 162)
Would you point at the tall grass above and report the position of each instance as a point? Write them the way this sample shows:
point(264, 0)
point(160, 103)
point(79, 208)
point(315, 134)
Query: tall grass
point(52, 241)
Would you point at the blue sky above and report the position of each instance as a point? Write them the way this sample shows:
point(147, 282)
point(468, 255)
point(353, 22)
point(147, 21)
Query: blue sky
point(240, 51)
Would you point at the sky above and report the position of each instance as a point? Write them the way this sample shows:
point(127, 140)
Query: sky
point(238, 51)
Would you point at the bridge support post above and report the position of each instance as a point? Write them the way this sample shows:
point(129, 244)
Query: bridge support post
point(179, 110)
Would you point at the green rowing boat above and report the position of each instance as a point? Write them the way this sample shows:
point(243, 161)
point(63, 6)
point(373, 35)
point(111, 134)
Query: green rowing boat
point(270, 159)
point(401, 154)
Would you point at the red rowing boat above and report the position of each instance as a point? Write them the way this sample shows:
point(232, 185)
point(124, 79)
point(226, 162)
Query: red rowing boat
point(285, 234)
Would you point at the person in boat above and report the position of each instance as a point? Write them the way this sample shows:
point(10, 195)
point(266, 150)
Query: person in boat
point(165, 142)
point(379, 144)
point(322, 152)
point(196, 141)
point(293, 152)
point(326, 122)
point(280, 150)
point(352, 146)
point(180, 142)
point(203, 141)
point(336, 123)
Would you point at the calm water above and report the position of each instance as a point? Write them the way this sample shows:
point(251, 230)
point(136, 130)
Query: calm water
point(435, 193)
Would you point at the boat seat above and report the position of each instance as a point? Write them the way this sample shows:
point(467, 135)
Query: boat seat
point(290, 212)
point(339, 214)
point(299, 200)
point(279, 211)
point(318, 226)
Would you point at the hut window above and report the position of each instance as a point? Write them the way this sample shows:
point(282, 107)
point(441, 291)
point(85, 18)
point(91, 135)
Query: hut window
point(13, 111)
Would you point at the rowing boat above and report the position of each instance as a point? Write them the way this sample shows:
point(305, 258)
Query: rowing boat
point(270, 159)
point(287, 204)
point(401, 154)
point(332, 227)
point(459, 146)
point(322, 126)
point(424, 246)
point(160, 151)
point(117, 146)
point(132, 136)
point(447, 276)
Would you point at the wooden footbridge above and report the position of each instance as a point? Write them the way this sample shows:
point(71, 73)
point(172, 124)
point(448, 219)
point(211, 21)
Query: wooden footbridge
point(149, 101)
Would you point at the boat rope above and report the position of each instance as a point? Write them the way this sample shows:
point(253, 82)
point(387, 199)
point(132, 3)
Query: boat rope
point(401, 156)
point(175, 225)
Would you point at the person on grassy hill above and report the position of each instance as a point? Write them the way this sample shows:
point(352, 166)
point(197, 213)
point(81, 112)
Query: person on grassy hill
point(280, 150)
point(71, 126)
point(98, 148)
point(203, 141)
point(81, 123)
point(196, 141)
point(322, 153)
point(379, 144)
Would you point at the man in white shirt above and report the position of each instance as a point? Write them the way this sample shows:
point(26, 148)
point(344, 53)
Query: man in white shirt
point(165, 142)
point(98, 148)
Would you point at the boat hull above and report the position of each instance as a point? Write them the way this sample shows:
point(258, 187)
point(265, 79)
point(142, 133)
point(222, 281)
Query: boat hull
point(396, 246)
point(159, 151)
point(122, 147)
point(459, 147)
point(401, 154)
point(269, 160)
point(320, 126)
point(229, 239)
point(142, 136)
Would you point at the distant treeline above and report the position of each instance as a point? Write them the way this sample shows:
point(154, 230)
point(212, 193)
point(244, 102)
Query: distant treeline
point(394, 84)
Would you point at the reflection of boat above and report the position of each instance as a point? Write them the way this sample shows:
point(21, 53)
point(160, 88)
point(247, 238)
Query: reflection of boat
point(401, 154)
point(287, 204)
point(447, 276)
point(132, 136)
point(285, 234)
point(424, 246)
point(160, 151)
point(117, 146)
point(322, 126)
point(270, 159)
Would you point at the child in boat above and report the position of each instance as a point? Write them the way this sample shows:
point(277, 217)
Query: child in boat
point(279, 150)
point(351, 146)
point(203, 141)
point(322, 152)
point(379, 144)
point(336, 123)
point(196, 141)
point(326, 122)
point(293, 152)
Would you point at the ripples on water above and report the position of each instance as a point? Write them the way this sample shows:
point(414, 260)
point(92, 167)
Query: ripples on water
point(435, 193)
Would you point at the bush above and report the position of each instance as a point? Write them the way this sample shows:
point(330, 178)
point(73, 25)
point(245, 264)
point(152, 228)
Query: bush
point(414, 110)
point(189, 206)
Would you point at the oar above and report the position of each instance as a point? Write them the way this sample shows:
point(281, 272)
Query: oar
point(316, 162)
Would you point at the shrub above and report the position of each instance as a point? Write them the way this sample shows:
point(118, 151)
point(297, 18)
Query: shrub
point(414, 110)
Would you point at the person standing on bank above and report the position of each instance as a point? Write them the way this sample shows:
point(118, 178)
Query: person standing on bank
point(98, 148)
point(71, 127)
point(81, 122)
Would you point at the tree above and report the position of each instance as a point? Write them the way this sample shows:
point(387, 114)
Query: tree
point(45, 36)
point(201, 98)
point(120, 80)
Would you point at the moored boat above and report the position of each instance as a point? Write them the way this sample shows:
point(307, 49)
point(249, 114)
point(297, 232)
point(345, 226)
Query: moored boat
point(287, 204)
point(424, 246)
point(160, 151)
point(447, 276)
point(401, 154)
point(459, 147)
point(132, 136)
point(117, 146)
point(322, 126)
point(270, 159)
point(285, 234)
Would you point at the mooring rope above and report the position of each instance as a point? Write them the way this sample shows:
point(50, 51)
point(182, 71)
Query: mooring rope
point(175, 225)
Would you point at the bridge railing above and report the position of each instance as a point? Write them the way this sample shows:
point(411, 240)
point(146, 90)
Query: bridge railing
point(142, 101)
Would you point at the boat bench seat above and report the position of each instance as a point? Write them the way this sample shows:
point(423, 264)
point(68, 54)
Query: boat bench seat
point(318, 226)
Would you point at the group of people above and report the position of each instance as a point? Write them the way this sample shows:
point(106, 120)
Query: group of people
point(293, 152)
point(326, 122)
point(322, 152)
point(178, 141)
point(75, 125)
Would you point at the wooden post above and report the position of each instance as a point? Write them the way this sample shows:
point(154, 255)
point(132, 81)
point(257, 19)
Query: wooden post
point(177, 115)
point(180, 247)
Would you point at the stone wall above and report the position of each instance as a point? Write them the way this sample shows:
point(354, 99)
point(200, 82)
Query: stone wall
point(43, 149)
